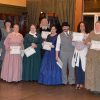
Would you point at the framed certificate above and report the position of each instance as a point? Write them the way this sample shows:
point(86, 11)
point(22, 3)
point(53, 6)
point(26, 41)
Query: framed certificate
point(44, 34)
point(95, 45)
point(47, 46)
point(29, 51)
point(78, 37)
point(15, 49)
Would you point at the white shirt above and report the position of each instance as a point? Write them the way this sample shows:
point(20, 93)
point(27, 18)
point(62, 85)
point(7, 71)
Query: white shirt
point(59, 41)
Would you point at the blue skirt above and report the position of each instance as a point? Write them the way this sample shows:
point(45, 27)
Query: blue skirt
point(50, 72)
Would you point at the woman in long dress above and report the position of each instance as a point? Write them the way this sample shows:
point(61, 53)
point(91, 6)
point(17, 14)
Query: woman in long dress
point(31, 64)
point(12, 64)
point(50, 72)
point(92, 75)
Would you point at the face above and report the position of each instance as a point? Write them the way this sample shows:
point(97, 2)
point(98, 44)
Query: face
point(8, 24)
point(44, 22)
point(65, 28)
point(82, 27)
point(97, 27)
point(16, 28)
point(53, 30)
point(33, 29)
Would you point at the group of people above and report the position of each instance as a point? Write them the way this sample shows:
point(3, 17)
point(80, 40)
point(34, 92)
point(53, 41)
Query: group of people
point(81, 64)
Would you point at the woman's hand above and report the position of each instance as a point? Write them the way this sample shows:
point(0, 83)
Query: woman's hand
point(52, 46)
point(89, 43)
point(9, 49)
point(56, 58)
point(34, 45)
point(57, 52)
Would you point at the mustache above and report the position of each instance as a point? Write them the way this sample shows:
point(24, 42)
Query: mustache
point(65, 29)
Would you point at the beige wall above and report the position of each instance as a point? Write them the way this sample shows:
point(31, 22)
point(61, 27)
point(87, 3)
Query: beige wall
point(14, 2)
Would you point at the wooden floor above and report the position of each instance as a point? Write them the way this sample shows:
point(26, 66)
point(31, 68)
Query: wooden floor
point(34, 91)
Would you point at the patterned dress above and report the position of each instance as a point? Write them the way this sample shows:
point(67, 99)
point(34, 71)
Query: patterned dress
point(92, 74)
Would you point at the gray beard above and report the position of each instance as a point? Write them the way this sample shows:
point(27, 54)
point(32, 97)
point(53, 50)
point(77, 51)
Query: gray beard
point(44, 27)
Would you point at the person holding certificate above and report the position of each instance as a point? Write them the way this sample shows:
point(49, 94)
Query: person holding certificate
point(92, 74)
point(12, 64)
point(44, 31)
point(79, 56)
point(66, 49)
point(44, 27)
point(50, 72)
point(32, 57)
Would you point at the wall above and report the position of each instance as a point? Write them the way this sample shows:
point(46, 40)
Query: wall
point(92, 5)
point(12, 6)
point(9, 9)
point(21, 3)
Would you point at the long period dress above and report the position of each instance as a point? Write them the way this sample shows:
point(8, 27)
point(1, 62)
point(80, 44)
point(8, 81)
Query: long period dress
point(50, 72)
point(12, 64)
point(31, 64)
point(92, 74)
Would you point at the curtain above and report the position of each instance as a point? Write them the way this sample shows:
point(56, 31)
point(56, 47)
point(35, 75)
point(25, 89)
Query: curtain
point(71, 12)
point(64, 9)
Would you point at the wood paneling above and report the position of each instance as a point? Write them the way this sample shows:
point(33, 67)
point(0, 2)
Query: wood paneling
point(14, 2)
point(92, 5)
point(8, 9)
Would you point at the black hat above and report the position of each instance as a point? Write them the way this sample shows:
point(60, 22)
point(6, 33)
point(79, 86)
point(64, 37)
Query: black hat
point(65, 24)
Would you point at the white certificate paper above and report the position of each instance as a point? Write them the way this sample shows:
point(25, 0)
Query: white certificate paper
point(95, 45)
point(47, 46)
point(59, 63)
point(44, 34)
point(15, 49)
point(29, 51)
point(78, 37)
